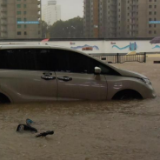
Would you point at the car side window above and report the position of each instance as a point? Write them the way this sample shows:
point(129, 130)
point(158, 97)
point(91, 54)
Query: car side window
point(68, 61)
point(17, 59)
point(61, 60)
point(27, 59)
point(78, 63)
point(104, 69)
point(45, 60)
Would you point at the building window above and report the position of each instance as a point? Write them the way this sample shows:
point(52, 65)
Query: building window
point(18, 19)
point(18, 12)
point(18, 26)
point(25, 12)
point(18, 33)
point(18, 5)
point(155, 32)
point(25, 33)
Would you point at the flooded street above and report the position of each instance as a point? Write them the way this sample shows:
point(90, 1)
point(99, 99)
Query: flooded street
point(106, 130)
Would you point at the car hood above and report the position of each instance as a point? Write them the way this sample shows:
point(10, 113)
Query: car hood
point(127, 73)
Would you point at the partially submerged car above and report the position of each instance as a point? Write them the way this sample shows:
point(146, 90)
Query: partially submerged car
point(47, 73)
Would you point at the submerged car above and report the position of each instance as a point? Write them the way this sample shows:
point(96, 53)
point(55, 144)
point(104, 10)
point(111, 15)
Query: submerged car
point(47, 73)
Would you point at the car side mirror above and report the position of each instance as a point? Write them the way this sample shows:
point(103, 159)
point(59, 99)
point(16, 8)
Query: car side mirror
point(97, 70)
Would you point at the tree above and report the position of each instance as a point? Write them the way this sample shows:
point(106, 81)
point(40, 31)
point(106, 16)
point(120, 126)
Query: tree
point(72, 28)
point(44, 28)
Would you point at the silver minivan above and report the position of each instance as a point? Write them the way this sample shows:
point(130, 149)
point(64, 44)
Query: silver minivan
point(46, 73)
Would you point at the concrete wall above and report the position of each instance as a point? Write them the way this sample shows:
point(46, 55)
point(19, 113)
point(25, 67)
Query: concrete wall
point(93, 47)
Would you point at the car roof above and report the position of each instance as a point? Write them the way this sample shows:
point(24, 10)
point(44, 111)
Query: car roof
point(37, 47)
point(28, 46)
point(3, 47)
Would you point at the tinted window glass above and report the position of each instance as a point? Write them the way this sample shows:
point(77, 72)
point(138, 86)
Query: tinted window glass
point(104, 69)
point(17, 59)
point(62, 63)
point(68, 61)
point(27, 59)
point(45, 60)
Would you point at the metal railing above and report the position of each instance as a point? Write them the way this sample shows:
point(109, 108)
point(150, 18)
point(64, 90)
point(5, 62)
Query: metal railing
point(119, 58)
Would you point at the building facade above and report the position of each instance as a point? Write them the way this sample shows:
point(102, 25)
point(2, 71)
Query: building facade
point(20, 19)
point(51, 12)
point(121, 18)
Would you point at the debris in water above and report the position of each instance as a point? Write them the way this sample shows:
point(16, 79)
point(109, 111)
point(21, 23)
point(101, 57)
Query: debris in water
point(27, 127)
point(44, 134)
point(23, 127)
point(29, 121)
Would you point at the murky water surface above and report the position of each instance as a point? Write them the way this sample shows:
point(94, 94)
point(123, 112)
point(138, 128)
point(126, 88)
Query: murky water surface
point(113, 130)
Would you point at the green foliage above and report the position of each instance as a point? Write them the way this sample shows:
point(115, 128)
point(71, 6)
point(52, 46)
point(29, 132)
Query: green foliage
point(72, 28)
point(44, 27)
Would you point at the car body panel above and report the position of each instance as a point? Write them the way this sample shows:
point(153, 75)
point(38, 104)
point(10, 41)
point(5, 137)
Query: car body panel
point(120, 83)
point(82, 86)
point(127, 73)
point(27, 85)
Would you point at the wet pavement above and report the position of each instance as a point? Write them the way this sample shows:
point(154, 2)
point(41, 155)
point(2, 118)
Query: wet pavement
point(103, 130)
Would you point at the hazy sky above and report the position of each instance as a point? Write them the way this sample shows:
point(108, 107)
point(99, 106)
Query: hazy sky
point(69, 8)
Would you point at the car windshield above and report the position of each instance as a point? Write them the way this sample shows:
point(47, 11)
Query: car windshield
point(73, 74)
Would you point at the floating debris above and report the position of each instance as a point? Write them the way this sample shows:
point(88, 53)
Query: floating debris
point(28, 127)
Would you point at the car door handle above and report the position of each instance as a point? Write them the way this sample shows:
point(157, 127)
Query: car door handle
point(66, 79)
point(47, 78)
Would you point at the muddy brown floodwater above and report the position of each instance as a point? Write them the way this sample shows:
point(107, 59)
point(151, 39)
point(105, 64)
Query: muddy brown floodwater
point(106, 130)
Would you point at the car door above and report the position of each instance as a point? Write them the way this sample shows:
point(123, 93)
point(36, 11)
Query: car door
point(76, 79)
point(28, 75)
